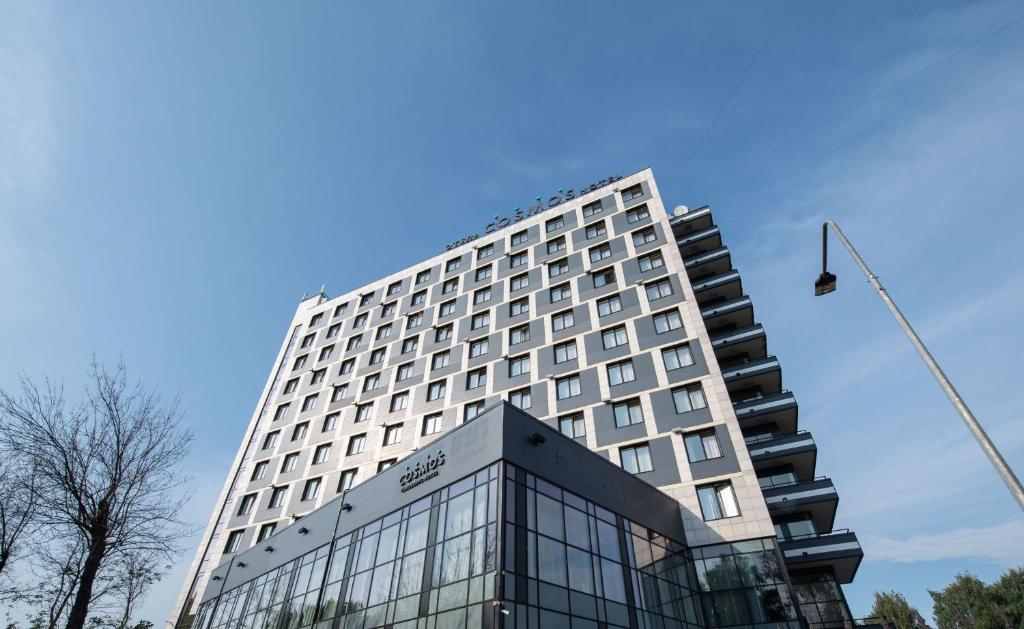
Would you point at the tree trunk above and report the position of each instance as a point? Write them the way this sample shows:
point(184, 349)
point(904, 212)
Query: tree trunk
point(93, 561)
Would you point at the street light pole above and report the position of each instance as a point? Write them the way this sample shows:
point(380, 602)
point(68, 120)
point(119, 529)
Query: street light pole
point(826, 283)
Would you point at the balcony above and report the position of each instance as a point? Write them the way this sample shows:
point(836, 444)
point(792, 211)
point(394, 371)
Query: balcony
point(691, 221)
point(779, 409)
point(699, 242)
point(817, 497)
point(732, 313)
point(717, 287)
point(797, 450)
point(714, 261)
point(764, 374)
point(839, 550)
point(749, 342)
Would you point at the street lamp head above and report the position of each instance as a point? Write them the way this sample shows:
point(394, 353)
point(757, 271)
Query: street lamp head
point(825, 284)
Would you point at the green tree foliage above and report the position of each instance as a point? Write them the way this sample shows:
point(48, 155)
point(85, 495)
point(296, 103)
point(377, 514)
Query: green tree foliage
point(896, 611)
point(969, 602)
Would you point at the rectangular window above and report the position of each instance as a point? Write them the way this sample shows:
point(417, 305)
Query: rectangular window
point(688, 398)
point(562, 320)
point(450, 286)
point(485, 251)
point(399, 401)
point(560, 292)
point(309, 403)
point(436, 390)
point(446, 309)
point(403, 372)
point(633, 192)
point(568, 387)
point(519, 238)
point(246, 503)
point(339, 392)
point(659, 289)
point(432, 424)
point(388, 309)
point(318, 376)
point(307, 341)
point(440, 360)
point(480, 320)
point(371, 382)
point(651, 261)
point(422, 276)
point(608, 305)
point(383, 465)
point(604, 277)
point(667, 321)
point(312, 489)
point(410, 344)
point(326, 352)
point(299, 432)
point(340, 310)
point(392, 434)
point(637, 214)
point(452, 265)
point(346, 366)
point(359, 321)
point(476, 378)
point(443, 333)
point(282, 412)
point(595, 230)
point(628, 413)
point(277, 497)
point(377, 356)
point(347, 480)
point(321, 453)
point(478, 348)
point(636, 459)
point(519, 282)
point(330, 422)
point(676, 357)
point(271, 440)
point(365, 299)
point(333, 330)
point(234, 541)
point(556, 245)
point(519, 307)
point(300, 362)
point(266, 531)
point(565, 351)
point(354, 342)
point(419, 298)
point(414, 320)
point(558, 268)
point(520, 398)
point(356, 444)
point(555, 223)
point(644, 236)
point(519, 334)
point(572, 426)
point(483, 273)
point(317, 318)
point(600, 252)
point(518, 365)
point(621, 372)
point(259, 472)
point(614, 337)
point(519, 259)
point(364, 412)
point(717, 501)
point(291, 386)
point(289, 463)
point(701, 446)
point(591, 208)
point(472, 410)
point(481, 296)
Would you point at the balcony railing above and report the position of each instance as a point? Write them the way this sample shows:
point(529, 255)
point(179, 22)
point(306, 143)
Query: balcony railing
point(695, 237)
point(839, 549)
point(703, 258)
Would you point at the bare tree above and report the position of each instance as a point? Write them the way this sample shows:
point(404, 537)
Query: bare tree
point(17, 507)
point(109, 469)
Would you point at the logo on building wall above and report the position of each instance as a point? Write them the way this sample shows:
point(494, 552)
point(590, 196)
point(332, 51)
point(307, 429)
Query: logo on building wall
point(421, 472)
point(539, 205)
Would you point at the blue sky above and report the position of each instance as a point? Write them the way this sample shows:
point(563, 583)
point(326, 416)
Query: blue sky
point(173, 177)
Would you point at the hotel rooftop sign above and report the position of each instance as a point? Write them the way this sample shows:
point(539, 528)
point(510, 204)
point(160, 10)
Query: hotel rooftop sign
point(540, 205)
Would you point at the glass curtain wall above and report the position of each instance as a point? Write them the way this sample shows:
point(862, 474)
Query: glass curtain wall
point(743, 583)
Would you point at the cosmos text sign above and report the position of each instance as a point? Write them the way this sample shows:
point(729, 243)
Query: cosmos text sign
point(422, 471)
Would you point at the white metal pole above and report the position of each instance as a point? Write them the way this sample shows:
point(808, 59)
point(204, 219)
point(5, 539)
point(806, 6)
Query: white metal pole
point(958, 402)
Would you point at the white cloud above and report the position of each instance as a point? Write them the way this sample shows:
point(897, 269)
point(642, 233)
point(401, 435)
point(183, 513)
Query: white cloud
point(1002, 545)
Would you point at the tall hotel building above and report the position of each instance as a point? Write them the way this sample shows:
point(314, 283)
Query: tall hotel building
point(620, 326)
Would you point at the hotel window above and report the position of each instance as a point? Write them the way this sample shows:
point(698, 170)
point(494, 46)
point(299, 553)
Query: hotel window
point(565, 351)
point(377, 356)
point(659, 289)
point(392, 434)
point(485, 252)
point(271, 440)
point(519, 238)
point(717, 501)
point(568, 387)
point(260, 471)
point(326, 352)
point(364, 412)
point(519, 282)
point(519, 307)
point(595, 230)
point(483, 273)
point(333, 330)
point(447, 308)
point(246, 503)
point(383, 465)
point(440, 360)
point(591, 208)
point(560, 292)
point(399, 401)
point(340, 310)
point(702, 446)
point(354, 342)
point(300, 362)
point(633, 192)
point(309, 403)
point(403, 372)
point(481, 296)
point(561, 321)
point(637, 214)
point(359, 321)
point(480, 320)
point(476, 378)
point(393, 288)
point(478, 348)
point(636, 459)
point(644, 236)
point(317, 318)
point(452, 264)
point(651, 261)
point(667, 321)
point(277, 497)
point(572, 426)
point(436, 390)
point(410, 344)
point(291, 386)
point(300, 430)
point(418, 298)
point(519, 259)
point(688, 398)
point(422, 276)
point(347, 479)
point(432, 424)
point(600, 252)
point(414, 320)
point(289, 463)
point(604, 277)
point(519, 334)
point(311, 490)
point(472, 410)
point(558, 268)
point(520, 398)
point(281, 412)
point(330, 422)
point(621, 372)
point(518, 365)
point(628, 413)
point(321, 453)
point(555, 223)
point(676, 357)
point(388, 309)
point(234, 541)
point(608, 305)
point(356, 444)
point(346, 366)
point(365, 299)
point(614, 337)
point(307, 340)
point(556, 245)
point(339, 392)
point(371, 382)
point(443, 333)
point(450, 286)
